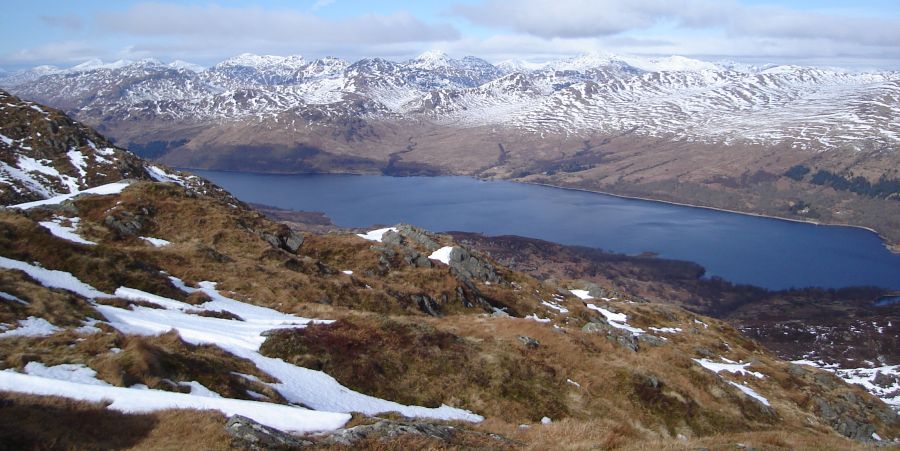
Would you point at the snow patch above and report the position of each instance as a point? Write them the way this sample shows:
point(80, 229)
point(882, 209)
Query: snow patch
point(156, 242)
point(133, 400)
point(65, 232)
point(666, 330)
point(31, 327)
point(728, 366)
point(442, 255)
point(376, 235)
point(51, 278)
point(243, 339)
point(109, 188)
point(751, 393)
point(582, 294)
point(78, 161)
point(617, 320)
point(11, 298)
point(71, 372)
point(556, 307)
point(534, 317)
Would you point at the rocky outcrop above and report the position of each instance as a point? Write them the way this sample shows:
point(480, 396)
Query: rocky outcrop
point(284, 238)
point(621, 337)
point(127, 223)
point(467, 266)
point(385, 430)
point(249, 434)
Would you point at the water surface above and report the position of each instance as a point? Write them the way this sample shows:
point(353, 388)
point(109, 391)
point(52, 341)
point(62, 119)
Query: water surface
point(766, 252)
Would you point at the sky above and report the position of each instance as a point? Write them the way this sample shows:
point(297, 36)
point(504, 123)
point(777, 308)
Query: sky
point(861, 33)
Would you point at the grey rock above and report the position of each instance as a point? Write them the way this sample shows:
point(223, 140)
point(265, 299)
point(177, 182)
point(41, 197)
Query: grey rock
point(250, 434)
point(596, 290)
point(427, 304)
point(418, 237)
point(387, 430)
point(292, 241)
point(466, 266)
point(125, 223)
point(797, 370)
point(839, 413)
point(285, 239)
point(623, 338)
point(529, 342)
point(884, 380)
point(651, 340)
point(413, 258)
point(392, 238)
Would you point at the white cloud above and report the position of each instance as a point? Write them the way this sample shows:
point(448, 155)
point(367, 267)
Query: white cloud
point(734, 23)
point(257, 24)
point(319, 4)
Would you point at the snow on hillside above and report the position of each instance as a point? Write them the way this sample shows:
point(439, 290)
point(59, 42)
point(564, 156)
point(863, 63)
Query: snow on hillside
point(330, 401)
point(673, 97)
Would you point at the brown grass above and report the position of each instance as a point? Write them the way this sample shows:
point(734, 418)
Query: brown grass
point(415, 363)
point(161, 360)
point(58, 307)
point(44, 422)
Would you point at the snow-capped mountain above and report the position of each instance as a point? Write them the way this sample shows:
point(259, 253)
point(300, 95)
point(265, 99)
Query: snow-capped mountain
point(674, 97)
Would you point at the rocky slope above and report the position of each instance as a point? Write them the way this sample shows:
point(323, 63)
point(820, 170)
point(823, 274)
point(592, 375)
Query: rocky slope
point(123, 301)
point(801, 142)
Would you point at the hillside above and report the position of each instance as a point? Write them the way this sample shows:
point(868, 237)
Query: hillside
point(809, 143)
point(169, 308)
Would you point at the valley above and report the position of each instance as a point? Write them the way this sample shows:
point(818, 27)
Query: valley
point(796, 142)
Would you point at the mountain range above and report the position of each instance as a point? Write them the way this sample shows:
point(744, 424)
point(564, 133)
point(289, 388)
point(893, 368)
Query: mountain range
point(816, 144)
point(676, 97)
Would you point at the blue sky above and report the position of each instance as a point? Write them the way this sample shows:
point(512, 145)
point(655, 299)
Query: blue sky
point(863, 33)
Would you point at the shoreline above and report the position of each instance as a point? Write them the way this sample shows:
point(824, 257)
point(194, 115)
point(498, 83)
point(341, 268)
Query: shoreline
point(892, 248)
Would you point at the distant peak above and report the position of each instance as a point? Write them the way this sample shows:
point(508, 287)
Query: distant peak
point(254, 60)
point(179, 64)
point(96, 63)
point(433, 55)
point(432, 59)
point(674, 63)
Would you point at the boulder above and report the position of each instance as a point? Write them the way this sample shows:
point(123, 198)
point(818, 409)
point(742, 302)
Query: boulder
point(529, 342)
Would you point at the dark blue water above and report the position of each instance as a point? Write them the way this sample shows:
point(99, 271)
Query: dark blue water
point(746, 249)
point(889, 300)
